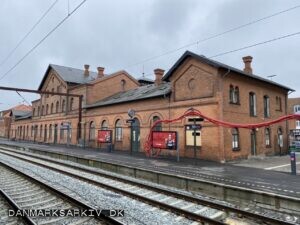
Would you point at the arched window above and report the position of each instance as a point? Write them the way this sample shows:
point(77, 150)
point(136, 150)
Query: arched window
point(62, 131)
point(104, 125)
point(71, 104)
point(32, 131)
point(33, 112)
point(252, 103)
point(158, 126)
point(57, 107)
point(235, 139)
point(234, 94)
point(38, 112)
point(231, 94)
point(50, 132)
point(63, 106)
point(266, 106)
point(27, 131)
point(267, 137)
point(92, 131)
point(278, 103)
point(43, 108)
point(51, 108)
point(41, 130)
point(280, 137)
point(47, 109)
point(118, 130)
point(123, 84)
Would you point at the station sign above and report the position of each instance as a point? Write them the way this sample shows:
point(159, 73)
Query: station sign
point(195, 119)
point(104, 136)
point(164, 140)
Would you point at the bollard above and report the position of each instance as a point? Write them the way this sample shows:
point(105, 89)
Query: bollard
point(293, 163)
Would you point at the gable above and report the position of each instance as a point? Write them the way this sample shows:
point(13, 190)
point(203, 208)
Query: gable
point(52, 81)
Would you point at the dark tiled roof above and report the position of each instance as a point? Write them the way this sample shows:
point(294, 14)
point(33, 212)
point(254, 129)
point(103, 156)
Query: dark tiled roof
point(70, 75)
point(25, 116)
point(143, 92)
point(217, 65)
point(145, 80)
point(73, 75)
point(19, 113)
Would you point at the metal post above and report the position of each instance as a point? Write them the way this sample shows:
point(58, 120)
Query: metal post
point(293, 163)
point(79, 118)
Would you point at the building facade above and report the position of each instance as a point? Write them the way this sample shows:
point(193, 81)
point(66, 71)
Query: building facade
point(217, 90)
point(294, 125)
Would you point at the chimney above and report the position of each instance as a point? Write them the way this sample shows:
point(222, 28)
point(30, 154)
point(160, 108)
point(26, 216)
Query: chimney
point(100, 72)
point(247, 60)
point(158, 76)
point(86, 70)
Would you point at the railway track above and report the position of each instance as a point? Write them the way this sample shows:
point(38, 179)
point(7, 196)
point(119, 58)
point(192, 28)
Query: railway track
point(184, 205)
point(23, 192)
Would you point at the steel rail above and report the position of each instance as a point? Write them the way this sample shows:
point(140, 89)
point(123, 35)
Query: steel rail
point(70, 199)
point(16, 207)
point(205, 202)
point(167, 207)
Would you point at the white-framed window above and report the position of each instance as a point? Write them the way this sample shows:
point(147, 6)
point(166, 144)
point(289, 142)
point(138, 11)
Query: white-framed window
point(235, 139)
point(267, 137)
point(297, 124)
point(118, 130)
point(252, 103)
point(266, 106)
point(297, 109)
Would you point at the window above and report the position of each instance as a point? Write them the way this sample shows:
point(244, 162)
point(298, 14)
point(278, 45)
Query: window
point(63, 106)
point(52, 90)
point(267, 137)
point(158, 126)
point(51, 109)
point(118, 130)
point(31, 131)
point(43, 109)
point(235, 139)
point(298, 124)
point(41, 130)
point(252, 104)
point(266, 106)
point(50, 132)
point(92, 131)
point(71, 104)
point(234, 94)
point(47, 109)
point(123, 83)
point(297, 109)
point(58, 89)
point(57, 107)
point(62, 131)
point(104, 125)
point(278, 104)
point(38, 112)
point(33, 113)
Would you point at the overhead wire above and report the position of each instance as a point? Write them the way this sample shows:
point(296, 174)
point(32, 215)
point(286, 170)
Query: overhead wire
point(28, 33)
point(249, 46)
point(212, 36)
point(42, 40)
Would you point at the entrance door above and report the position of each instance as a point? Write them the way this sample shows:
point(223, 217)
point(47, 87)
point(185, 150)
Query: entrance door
point(253, 142)
point(135, 135)
point(55, 133)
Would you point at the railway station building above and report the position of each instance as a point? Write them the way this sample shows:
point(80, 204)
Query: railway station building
point(217, 90)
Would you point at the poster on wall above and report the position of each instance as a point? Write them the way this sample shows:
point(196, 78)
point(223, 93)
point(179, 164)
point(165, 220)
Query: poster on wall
point(164, 140)
point(104, 136)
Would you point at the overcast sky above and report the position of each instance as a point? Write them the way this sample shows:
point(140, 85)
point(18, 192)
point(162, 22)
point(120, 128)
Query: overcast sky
point(117, 34)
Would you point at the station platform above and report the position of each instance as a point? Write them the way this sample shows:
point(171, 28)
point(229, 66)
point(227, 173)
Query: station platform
point(233, 174)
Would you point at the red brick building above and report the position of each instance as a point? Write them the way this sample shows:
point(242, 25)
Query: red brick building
point(294, 125)
point(217, 90)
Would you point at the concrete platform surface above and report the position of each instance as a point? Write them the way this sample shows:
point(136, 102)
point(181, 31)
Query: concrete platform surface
point(241, 174)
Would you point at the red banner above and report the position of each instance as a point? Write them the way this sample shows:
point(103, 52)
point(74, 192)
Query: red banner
point(104, 136)
point(164, 140)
